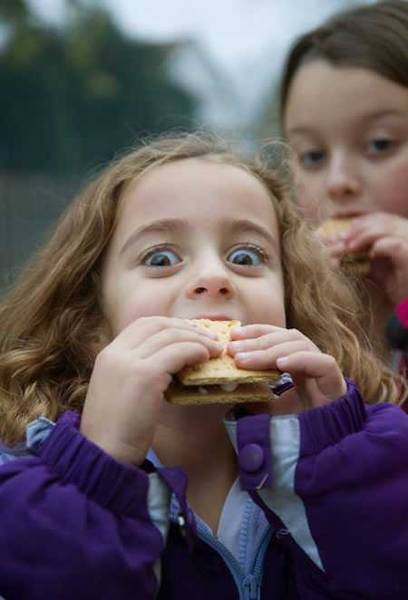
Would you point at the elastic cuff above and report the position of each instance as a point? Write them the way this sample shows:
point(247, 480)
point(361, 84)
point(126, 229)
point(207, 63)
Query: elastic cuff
point(327, 425)
point(121, 488)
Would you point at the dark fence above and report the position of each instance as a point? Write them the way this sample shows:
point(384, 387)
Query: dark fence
point(29, 206)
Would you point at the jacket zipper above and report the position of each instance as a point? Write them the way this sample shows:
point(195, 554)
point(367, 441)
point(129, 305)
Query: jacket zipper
point(247, 585)
point(258, 564)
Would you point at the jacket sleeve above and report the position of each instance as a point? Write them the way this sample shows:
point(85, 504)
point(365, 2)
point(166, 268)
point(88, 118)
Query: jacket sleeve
point(75, 523)
point(335, 479)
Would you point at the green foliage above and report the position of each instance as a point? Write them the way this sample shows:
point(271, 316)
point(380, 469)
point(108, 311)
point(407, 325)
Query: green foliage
point(12, 11)
point(72, 97)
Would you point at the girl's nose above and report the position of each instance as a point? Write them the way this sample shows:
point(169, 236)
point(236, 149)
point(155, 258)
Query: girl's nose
point(210, 286)
point(343, 183)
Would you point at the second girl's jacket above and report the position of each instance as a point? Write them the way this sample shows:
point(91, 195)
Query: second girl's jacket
point(320, 511)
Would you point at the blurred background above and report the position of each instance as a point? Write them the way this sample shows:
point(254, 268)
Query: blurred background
point(82, 80)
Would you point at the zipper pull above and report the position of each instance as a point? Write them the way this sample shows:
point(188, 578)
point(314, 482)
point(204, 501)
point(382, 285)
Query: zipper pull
point(251, 587)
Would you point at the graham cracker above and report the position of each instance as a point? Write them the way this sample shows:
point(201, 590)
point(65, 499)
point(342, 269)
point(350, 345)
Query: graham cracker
point(352, 262)
point(222, 370)
point(245, 392)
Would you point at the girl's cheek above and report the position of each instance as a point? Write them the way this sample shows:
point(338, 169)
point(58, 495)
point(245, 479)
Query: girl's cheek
point(139, 306)
point(393, 194)
point(389, 184)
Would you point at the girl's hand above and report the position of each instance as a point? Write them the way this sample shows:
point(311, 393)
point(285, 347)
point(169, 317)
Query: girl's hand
point(317, 376)
point(385, 237)
point(129, 378)
point(334, 246)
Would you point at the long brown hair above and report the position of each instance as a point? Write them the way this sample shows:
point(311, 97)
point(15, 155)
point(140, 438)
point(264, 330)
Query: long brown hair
point(51, 322)
point(370, 37)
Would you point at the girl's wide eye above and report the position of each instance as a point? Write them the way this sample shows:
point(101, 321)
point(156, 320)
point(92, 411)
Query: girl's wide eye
point(161, 258)
point(246, 257)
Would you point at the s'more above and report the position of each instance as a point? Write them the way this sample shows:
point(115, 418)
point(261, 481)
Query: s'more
point(219, 380)
point(357, 263)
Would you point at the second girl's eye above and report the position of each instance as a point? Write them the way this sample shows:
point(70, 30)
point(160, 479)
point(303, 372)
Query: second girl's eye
point(311, 158)
point(246, 257)
point(161, 258)
point(379, 145)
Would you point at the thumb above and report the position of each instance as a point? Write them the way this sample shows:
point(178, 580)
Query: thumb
point(395, 249)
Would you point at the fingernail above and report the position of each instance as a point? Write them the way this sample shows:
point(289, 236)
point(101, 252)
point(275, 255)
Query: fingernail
point(282, 362)
point(235, 346)
point(243, 357)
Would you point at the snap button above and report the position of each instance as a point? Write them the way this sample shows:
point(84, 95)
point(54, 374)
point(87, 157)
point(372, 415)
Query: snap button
point(251, 458)
point(181, 520)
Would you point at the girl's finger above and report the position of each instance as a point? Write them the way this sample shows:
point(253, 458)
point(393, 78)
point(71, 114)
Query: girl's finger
point(174, 357)
point(390, 267)
point(202, 330)
point(265, 341)
point(369, 222)
point(253, 331)
point(396, 249)
point(315, 365)
point(143, 328)
point(366, 230)
point(267, 359)
point(383, 223)
point(166, 337)
point(363, 240)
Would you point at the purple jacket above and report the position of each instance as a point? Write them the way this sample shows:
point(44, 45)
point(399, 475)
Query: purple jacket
point(332, 481)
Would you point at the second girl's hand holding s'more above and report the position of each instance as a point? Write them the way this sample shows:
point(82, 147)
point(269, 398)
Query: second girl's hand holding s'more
point(374, 245)
point(333, 233)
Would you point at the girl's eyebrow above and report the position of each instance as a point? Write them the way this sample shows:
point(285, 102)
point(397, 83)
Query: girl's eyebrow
point(160, 226)
point(248, 226)
point(178, 225)
point(299, 130)
point(382, 114)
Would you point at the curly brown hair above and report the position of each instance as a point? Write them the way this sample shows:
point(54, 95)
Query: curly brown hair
point(51, 323)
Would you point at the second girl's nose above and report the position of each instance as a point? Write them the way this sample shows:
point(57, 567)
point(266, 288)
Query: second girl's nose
point(343, 183)
point(210, 286)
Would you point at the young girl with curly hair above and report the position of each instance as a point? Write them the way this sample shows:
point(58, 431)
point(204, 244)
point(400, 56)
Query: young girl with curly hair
point(109, 491)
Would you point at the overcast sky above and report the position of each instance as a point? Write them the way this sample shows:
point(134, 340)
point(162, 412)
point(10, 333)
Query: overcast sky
point(237, 46)
point(230, 29)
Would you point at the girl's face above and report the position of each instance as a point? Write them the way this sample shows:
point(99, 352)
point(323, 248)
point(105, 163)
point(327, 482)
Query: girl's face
point(349, 130)
point(195, 239)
